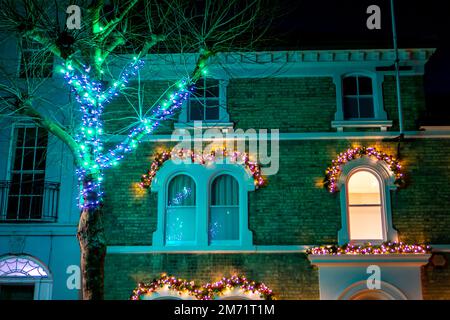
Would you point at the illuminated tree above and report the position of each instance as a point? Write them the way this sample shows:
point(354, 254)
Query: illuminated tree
point(109, 30)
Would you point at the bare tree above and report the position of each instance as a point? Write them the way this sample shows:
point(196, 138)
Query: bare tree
point(110, 29)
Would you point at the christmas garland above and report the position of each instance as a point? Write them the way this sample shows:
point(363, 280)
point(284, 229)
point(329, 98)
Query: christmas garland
point(333, 171)
point(208, 291)
point(236, 282)
point(234, 157)
point(180, 286)
point(369, 249)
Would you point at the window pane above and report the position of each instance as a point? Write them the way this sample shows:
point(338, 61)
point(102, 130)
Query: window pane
point(24, 207)
point(365, 223)
point(36, 207)
point(15, 184)
point(366, 107)
point(363, 188)
point(20, 137)
point(13, 203)
point(180, 224)
point(28, 158)
point(181, 191)
point(26, 184)
point(364, 207)
point(365, 85)
point(224, 223)
point(212, 110)
point(195, 110)
point(349, 86)
point(225, 191)
point(212, 88)
point(18, 159)
point(30, 137)
point(351, 108)
point(40, 159)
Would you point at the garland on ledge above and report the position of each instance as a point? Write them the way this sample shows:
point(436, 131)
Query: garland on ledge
point(333, 171)
point(220, 288)
point(384, 248)
point(234, 157)
point(208, 291)
point(180, 286)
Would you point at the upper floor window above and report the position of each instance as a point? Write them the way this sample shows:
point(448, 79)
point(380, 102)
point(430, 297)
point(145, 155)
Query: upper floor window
point(359, 101)
point(27, 196)
point(365, 212)
point(207, 104)
point(28, 174)
point(224, 209)
point(358, 98)
point(204, 103)
point(35, 61)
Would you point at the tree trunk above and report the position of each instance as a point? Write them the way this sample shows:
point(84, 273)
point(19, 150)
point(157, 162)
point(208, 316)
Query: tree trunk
point(93, 250)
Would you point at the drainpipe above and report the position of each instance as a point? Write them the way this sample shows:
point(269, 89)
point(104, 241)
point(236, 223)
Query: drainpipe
point(397, 71)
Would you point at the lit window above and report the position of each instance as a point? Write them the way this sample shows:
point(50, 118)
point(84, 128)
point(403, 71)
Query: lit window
point(204, 104)
point(180, 210)
point(224, 210)
point(365, 207)
point(358, 98)
point(202, 206)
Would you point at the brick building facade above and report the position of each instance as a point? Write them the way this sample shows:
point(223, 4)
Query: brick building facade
point(300, 94)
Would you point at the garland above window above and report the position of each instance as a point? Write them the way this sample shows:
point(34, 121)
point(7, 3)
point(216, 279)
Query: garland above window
point(209, 291)
point(384, 248)
point(333, 171)
point(232, 157)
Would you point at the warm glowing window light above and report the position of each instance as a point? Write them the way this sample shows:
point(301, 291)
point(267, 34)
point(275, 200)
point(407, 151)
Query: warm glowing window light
point(364, 207)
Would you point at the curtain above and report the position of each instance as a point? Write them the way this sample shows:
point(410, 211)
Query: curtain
point(224, 211)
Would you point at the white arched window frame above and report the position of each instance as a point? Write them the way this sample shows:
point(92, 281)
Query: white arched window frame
point(238, 294)
point(27, 270)
point(164, 293)
point(386, 181)
point(203, 176)
point(380, 116)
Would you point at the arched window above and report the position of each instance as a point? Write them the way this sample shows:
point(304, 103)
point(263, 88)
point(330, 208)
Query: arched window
point(364, 205)
point(24, 278)
point(366, 215)
point(358, 98)
point(180, 210)
point(224, 209)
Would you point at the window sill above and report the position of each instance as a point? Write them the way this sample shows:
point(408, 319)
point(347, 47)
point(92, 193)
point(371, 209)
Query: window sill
point(401, 259)
point(205, 125)
point(382, 124)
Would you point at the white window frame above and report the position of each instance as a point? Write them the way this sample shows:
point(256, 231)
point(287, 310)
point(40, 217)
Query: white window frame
point(42, 285)
point(387, 184)
point(203, 177)
point(11, 156)
point(380, 117)
point(224, 118)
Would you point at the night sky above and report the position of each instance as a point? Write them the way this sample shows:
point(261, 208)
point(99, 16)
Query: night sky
point(341, 24)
